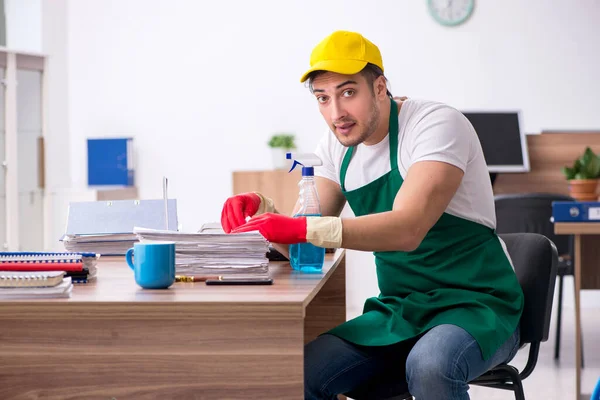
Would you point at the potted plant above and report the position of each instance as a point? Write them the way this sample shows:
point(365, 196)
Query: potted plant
point(583, 177)
point(280, 144)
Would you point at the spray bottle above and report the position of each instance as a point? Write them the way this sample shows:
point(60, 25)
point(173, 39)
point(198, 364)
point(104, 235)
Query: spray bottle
point(306, 257)
point(596, 392)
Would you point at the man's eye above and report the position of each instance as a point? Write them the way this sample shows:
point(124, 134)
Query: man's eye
point(348, 93)
point(321, 99)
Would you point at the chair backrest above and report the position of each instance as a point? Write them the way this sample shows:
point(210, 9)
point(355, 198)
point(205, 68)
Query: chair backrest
point(535, 259)
point(531, 212)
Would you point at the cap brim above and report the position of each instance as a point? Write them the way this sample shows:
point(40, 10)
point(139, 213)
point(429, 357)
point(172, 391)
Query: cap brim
point(346, 67)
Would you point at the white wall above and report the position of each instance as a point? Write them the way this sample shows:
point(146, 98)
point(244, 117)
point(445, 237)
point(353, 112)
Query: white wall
point(56, 122)
point(2, 175)
point(56, 100)
point(202, 85)
point(24, 25)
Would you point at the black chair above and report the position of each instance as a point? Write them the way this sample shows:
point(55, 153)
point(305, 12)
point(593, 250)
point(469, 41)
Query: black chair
point(532, 212)
point(535, 259)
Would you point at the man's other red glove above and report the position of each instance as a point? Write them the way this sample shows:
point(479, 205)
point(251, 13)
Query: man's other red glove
point(277, 228)
point(237, 208)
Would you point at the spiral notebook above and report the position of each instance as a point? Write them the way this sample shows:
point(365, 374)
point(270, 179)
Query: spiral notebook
point(43, 261)
point(62, 290)
point(9, 279)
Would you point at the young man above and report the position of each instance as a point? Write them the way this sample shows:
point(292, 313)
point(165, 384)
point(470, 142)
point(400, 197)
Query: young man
point(414, 174)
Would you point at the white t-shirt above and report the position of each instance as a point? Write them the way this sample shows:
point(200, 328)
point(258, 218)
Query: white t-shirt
point(427, 131)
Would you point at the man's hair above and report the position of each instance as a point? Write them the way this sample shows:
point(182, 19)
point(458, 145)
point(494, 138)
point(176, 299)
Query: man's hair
point(370, 72)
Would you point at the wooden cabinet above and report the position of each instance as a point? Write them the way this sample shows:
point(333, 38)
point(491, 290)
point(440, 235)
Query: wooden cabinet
point(279, 185)
point(548, 153)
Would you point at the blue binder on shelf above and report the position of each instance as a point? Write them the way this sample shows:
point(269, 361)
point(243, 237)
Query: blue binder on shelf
point(576, 211)
point(110, 162)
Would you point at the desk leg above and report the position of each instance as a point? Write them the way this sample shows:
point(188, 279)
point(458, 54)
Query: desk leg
point(328, 308)
point(577, 278)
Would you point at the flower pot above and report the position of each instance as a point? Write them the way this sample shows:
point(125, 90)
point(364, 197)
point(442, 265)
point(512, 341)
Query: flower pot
point(279, 160)
point(583, 189)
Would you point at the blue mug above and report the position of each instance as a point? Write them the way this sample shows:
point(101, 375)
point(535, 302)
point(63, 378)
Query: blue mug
point(153, 264)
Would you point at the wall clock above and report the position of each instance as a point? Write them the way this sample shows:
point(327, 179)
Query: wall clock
point(451, 12)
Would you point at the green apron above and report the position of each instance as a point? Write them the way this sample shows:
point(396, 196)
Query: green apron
point(458, 275)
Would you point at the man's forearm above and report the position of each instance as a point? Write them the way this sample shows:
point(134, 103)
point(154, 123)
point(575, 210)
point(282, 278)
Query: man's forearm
point(387, 231)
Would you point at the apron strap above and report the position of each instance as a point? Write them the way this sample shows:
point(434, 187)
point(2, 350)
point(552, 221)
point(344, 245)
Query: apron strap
point(393, 135)
point(344, 168)
point(393, 128)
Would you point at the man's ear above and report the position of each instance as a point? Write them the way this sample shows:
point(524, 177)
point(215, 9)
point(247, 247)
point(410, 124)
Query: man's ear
point(380, 87)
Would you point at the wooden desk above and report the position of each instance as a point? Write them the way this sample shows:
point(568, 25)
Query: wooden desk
point(587, 270)
point(114, 340)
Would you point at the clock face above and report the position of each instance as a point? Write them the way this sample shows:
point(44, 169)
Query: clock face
point(451, 12)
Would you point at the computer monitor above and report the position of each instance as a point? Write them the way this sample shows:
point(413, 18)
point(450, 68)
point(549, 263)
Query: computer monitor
point(503, 142)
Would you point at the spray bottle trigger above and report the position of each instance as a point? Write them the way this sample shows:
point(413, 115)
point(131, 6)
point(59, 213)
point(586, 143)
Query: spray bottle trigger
point(294, 165)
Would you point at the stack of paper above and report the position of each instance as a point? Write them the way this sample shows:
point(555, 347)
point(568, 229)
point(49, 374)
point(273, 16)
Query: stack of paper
point(106, 227)
point(215, 253)
point(80, 267)
point(106, 244)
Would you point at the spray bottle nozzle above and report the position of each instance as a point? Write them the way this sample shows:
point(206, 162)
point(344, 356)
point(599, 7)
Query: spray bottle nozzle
point(307, 160)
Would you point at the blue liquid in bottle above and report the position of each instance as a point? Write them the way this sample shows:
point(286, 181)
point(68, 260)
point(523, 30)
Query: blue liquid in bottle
point(307, 257)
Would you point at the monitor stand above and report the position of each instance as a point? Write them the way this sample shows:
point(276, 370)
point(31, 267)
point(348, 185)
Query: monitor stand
point(493, 176)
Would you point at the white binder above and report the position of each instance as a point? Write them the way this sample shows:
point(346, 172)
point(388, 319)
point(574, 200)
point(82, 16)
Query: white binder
point(107, 227)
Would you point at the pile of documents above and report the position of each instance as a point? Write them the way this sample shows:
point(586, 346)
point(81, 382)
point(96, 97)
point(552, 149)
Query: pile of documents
point(213, 253)
point(78, 267)
point(106, 227)
point(106, 244)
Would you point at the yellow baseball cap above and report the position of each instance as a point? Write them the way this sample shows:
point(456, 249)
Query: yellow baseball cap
point(345, 53)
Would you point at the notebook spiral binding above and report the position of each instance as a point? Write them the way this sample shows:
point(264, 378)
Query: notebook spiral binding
point(37, 257)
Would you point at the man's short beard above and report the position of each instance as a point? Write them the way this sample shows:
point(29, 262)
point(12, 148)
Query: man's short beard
point(370, 128)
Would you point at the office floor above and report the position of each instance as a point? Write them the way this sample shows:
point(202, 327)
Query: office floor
point(556, 380)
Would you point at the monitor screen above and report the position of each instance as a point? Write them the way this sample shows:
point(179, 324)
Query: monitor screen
point(504, 145)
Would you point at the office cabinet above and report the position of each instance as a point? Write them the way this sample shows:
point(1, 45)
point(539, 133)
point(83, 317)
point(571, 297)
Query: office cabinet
point(21, 151)
point(278, 184)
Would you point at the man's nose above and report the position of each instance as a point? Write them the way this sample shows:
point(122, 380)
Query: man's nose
point(338, 112)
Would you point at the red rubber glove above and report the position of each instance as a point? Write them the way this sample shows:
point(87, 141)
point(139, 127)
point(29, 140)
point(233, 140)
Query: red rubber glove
point(237, 208)
point(277, 228)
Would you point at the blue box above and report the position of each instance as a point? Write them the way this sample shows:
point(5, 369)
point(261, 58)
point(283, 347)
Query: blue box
point(576, 211)
point(110, 162)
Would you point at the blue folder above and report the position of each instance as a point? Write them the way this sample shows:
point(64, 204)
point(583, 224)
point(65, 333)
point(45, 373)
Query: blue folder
point(576, 211)
point(110, 162)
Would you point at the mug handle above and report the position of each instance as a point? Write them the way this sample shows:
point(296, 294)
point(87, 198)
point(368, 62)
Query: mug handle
point(129, 259)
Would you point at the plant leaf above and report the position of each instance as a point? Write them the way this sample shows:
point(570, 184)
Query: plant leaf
point(282, 140)
point(595, 167)
point(590, 164)
point(569, 172)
